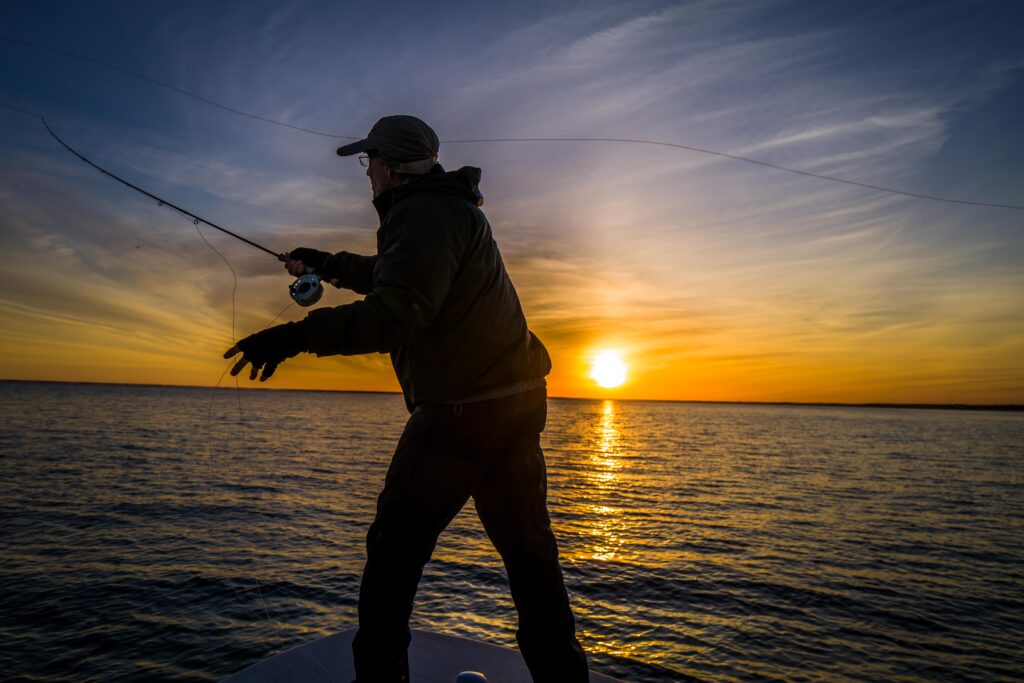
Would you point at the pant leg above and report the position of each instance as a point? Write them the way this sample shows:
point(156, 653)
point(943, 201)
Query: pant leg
point(427, 484)
point(511, 499)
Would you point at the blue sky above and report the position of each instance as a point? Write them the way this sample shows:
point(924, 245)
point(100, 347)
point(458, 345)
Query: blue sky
point(718, 279)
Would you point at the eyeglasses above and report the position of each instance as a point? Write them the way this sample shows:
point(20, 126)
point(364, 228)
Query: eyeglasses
point(364, 160)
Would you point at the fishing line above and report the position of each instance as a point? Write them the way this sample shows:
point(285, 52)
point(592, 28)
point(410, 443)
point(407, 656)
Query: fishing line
point(735, 157)
point(174, 88)
point(242, 437)
point(633, 141)
point(234, 276)
point(241, 418)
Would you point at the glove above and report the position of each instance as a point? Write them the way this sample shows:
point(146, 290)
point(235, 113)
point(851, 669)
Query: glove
point(268, 349)
point(311, 258)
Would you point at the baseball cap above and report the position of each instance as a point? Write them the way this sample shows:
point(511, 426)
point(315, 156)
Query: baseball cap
point(403, 140)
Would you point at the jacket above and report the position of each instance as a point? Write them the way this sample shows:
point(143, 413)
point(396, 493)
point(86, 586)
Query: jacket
point(438, 297)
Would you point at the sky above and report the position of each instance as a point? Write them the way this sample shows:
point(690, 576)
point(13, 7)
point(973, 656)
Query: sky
point(712, 278)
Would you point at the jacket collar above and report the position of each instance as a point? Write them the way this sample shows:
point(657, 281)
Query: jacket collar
point(462, 183)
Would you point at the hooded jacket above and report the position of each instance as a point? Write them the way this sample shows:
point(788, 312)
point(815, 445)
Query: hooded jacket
point(438, 297)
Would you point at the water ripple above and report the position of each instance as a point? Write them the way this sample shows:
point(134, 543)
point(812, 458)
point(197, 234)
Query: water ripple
point(147, 539)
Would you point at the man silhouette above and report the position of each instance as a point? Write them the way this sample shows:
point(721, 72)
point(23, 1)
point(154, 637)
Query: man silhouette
point(439, 301)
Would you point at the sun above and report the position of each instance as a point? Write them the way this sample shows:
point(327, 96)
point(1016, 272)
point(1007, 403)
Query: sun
point(608, 369)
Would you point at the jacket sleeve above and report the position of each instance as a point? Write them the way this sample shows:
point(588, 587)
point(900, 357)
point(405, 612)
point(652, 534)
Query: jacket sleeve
point(350, 271)
point(417, 261)
point(349, 330)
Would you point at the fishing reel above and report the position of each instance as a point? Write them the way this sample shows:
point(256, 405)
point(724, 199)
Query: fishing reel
point(307, 289)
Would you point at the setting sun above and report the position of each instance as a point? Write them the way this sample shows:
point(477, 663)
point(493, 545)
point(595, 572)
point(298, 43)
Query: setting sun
point(608, 369)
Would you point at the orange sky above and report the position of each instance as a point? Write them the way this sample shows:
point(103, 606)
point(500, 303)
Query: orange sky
point(158, 334)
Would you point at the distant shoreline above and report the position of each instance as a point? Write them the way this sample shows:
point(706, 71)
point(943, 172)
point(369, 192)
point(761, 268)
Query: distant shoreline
point(1006, 408)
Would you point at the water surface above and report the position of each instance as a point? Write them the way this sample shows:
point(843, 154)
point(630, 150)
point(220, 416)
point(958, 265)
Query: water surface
point(177, 534)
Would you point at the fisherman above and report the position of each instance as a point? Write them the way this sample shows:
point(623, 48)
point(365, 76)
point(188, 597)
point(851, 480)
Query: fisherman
point(438, 299)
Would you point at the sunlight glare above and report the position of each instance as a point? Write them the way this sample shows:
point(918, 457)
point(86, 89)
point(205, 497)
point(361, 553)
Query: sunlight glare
point(608, 369)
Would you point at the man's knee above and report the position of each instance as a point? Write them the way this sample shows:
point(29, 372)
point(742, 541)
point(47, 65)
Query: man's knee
point(400, 545)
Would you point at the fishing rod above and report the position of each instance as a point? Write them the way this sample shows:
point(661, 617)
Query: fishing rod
point(306, 290)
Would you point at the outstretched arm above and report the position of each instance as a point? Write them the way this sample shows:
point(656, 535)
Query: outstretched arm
point(351, 329)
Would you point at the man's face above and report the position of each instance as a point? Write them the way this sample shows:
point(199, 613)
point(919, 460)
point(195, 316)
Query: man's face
point(381, 177)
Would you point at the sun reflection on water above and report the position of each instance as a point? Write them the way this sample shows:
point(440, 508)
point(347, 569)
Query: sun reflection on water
point(605, 526)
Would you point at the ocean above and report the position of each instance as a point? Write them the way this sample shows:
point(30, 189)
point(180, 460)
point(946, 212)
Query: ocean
point(180, 534)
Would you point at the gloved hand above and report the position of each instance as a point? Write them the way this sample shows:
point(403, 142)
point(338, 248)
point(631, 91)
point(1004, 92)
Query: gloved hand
point(268, 348)
point(303, 260)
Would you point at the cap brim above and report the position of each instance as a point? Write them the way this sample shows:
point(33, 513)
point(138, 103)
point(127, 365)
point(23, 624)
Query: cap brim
point(354, 148)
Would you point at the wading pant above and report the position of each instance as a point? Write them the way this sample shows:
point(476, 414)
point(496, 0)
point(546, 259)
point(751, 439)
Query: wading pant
point(490, 451)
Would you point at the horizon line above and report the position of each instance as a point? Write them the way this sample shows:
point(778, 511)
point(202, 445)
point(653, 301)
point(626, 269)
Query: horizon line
point(1001, 407)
